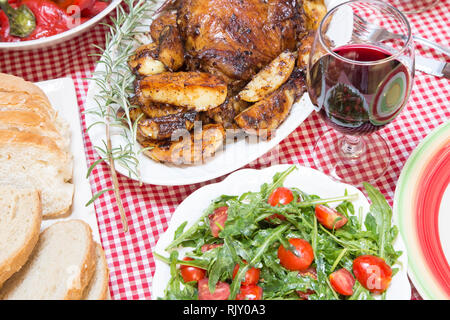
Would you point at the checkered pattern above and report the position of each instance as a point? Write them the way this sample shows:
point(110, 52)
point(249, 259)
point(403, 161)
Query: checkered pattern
point(149, 207)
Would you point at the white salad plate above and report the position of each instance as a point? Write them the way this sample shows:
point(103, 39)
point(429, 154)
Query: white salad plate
point(306, 179)
point(62, 96)
point(234, 156)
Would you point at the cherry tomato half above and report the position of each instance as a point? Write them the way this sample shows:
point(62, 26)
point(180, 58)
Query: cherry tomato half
point(304, 295)
point(222, 291)
point(251, 276)
point(207, 247)
point(251, 292)
point(330, 218)
point(372, 272)
point(219, 216)
point(301, 260)
point(279, 196)
point(191, 273)
point(342, 282)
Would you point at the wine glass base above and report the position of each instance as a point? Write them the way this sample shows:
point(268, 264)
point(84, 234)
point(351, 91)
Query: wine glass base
point(368, 165)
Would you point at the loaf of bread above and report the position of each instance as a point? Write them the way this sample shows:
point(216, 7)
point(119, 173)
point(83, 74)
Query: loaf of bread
point(60, 267)
point(35, 145)
point(20, 223)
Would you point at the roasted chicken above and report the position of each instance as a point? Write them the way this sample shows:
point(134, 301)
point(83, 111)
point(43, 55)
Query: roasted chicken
point(229, 63)
point(235, 38)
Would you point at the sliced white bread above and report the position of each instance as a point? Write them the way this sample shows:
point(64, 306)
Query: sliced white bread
point(98, 287)
point(29, 121)
point(60, 267)
point(29, 160)
point(20, 223)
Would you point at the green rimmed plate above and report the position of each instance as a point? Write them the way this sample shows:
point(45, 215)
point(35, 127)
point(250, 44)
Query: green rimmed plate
point(422, 211)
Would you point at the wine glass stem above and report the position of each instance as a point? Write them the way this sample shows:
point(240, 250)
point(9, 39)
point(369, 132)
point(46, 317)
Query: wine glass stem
point(352, 149)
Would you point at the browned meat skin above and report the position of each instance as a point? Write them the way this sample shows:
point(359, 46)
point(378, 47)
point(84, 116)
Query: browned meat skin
point(164, 127)
point(236, 38)
point(160, 121)
point(171, 50)
point(166, 18)
point(226, 112)
point(155, 110)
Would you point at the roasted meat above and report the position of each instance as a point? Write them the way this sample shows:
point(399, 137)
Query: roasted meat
point(166, 126)
point(235, 38)
point(161, 122)
point(229, 63)
point(166, 18)
point(171, 49)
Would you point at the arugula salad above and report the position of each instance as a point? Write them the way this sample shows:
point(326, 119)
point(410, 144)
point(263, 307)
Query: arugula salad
point(281, 243)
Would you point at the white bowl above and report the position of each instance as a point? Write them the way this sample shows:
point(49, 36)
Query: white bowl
point(61, 37)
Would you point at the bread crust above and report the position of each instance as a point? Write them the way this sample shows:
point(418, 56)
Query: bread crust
point(29, 121)
point(10, 83)
point(8, 137)
point(23, 101)
point(19, 258)
point(88, 267)
point(104, 294)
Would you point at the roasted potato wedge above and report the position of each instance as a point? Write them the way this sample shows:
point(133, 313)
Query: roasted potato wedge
point(171, 50)
point(270, 78)
point(190, 149)
point(266, 115)
point(315, 10)
point(304, 50)
point(160, 128)
point(194, 90)
point(145, 60)
point(225, 113)
point(166, 18)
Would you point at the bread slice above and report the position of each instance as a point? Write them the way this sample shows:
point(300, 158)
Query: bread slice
point(20, 223)
point(29, 160)
point(98, 288)
point(29, 121)
point(60, 267)
point(25, 101)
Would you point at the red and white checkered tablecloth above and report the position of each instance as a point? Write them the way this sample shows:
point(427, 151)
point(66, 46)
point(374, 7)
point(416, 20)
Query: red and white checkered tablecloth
point(149, 207)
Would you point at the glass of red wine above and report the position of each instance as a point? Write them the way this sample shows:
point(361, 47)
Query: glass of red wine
point(358, 86)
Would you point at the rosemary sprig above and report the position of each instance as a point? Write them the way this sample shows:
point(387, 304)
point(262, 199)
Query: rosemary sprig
point(114, 81)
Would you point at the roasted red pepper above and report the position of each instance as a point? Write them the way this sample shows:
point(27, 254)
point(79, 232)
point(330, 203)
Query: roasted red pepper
point(82, 4)
point(4, 27)
point(50, 20)
point(52, 17)
point(96, 8)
